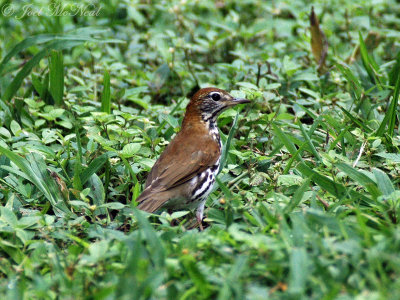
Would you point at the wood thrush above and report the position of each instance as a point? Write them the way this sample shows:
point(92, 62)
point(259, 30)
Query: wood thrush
point(184, 174)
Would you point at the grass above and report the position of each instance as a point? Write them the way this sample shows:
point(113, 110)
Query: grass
point(307, 203)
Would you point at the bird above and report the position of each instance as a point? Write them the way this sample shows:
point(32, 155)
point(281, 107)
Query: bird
point(184, 174)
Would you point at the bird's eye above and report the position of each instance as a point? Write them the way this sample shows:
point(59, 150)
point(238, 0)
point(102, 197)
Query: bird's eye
point(215, 96)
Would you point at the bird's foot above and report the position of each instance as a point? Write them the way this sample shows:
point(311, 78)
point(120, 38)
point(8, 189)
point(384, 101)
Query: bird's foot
point(200, 222)
point(199, 215)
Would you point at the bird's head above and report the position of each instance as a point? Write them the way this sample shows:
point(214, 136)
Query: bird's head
point(208, 103)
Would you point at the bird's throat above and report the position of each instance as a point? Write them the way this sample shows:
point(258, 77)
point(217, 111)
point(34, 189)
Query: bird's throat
point(213, 131)
point(198, 124)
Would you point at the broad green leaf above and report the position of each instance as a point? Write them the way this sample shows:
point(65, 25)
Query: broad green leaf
point(390, 156)
point(384, 184)
point(8, 216)
point(113, 205)
point(130, 149)
point(15, 127)
point(97, 193)
point(160, 76)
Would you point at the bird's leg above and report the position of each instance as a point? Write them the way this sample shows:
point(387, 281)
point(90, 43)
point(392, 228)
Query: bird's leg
point(199, 221)
point(199, 214)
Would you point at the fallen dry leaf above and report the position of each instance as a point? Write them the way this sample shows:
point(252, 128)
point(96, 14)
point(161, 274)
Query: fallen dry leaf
point(319, 43)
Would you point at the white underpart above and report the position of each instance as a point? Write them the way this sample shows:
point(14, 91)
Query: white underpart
point(204, 190)
point(207, 177)
point(214, 131)
point(205, 184)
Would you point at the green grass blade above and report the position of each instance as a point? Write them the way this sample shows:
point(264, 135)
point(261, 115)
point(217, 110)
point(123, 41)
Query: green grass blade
point(128, 284)
point(26, 43)
point(336, 189)
point(24, 72)
point(38, 85)
point(196, 275)
point(176, 107)
point(224, 188)
point(106, 95)
point(393, 106)
point(369, 64)
point(154, 242)
point(298, 271)
point(285, 140)
point(324, 182)
point(353, 81)
point(93, 167)
point(77, 184)
point(390, 116)
point(327, 184)
point(293, 158)
point(231, 281)
point(355, 120)
point(82, 35)
point(58, 43)
point(339, 137)
point(394, 73)
point(57, 77)
point(309, 142)
point(35, 171)
point(360, 178)
point(224, 155)
point(39, 170)
point(298, 195)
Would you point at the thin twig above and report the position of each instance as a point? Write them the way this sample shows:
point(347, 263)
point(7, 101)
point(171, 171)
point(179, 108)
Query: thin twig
point(258, 73)
point(359, 154)
point(324, 203)
point(189, 66)
point(327, 139)
point(255, 150)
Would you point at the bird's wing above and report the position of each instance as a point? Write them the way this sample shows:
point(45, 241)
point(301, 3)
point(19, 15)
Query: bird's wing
point(179, 163)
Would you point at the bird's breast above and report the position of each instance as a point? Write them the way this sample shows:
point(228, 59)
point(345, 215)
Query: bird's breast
point(213, 130)
point(203, 183)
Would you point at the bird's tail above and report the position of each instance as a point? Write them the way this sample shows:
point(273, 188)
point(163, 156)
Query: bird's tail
point(151, 201)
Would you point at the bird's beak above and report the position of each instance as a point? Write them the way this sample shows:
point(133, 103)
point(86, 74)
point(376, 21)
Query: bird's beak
point(235, 101)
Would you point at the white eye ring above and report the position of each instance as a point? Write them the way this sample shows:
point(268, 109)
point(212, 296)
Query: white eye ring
point(215, 96)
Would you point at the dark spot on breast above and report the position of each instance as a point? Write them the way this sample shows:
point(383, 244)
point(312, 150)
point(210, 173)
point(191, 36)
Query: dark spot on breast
point(214, 168)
